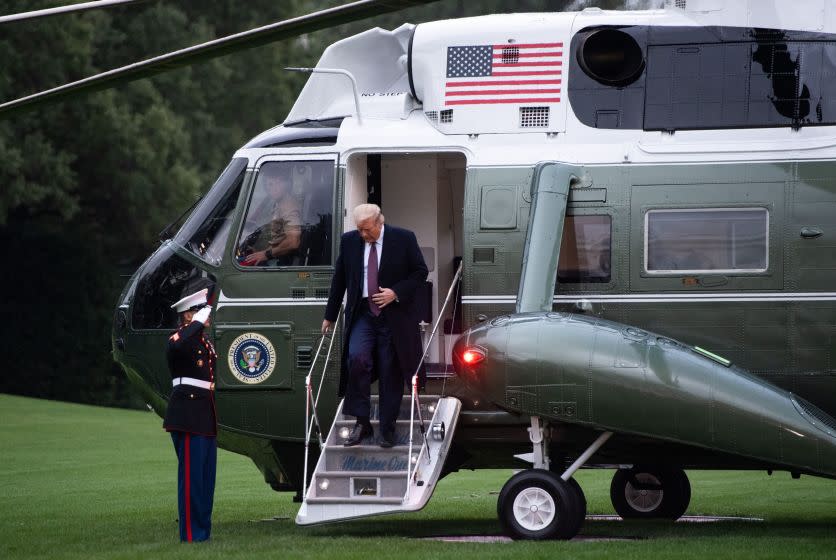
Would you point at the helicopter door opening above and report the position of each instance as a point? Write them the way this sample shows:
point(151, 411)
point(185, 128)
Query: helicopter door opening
point(422, 192)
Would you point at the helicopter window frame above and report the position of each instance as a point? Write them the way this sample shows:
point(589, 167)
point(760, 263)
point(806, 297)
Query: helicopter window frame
point(158, 285)
point(252, 190)
point(730, 247)
point(225, 192)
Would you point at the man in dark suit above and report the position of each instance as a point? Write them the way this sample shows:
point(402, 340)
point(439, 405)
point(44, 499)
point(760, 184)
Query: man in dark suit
point(379, 268)
point(190, 416)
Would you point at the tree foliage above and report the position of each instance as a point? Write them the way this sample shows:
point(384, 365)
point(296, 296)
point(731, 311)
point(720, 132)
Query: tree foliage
point(88, 183)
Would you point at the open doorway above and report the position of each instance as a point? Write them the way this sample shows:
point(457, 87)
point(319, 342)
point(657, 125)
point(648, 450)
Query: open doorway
point(422, 192)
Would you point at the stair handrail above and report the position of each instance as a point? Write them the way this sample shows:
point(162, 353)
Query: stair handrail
point(311, 416)
point(416, 399)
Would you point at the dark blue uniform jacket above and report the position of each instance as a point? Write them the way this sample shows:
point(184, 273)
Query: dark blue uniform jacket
point(191, 409)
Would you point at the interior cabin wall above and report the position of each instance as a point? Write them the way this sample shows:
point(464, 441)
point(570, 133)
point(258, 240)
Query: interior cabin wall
point(356, 188)
point(408, 199)
point(423, 193)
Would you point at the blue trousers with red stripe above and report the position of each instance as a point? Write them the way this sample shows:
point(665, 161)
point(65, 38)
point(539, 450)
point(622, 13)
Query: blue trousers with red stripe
point(197, 458)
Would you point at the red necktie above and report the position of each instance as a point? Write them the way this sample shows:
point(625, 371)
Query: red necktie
point(371, 278)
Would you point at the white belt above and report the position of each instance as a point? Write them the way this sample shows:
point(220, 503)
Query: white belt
point(192, 381)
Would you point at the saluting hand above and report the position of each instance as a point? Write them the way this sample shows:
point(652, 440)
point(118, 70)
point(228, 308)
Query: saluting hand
point(203, 314)
point(384, 297)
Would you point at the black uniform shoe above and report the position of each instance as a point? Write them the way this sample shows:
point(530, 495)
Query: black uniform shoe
point(358, 434)
point(387, 438)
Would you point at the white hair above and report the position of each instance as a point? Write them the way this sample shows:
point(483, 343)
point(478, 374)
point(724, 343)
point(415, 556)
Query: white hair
point(365, 211)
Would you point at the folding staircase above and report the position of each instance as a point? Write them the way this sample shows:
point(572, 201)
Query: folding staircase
point(365, 480)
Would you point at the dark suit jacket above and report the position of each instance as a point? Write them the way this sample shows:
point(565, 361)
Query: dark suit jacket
point(191, 409)
point(403, 270)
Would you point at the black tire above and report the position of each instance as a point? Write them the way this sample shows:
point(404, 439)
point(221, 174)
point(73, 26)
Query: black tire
point(650, 493)
point(679, 495)
point(580, 504)
point(554, 506)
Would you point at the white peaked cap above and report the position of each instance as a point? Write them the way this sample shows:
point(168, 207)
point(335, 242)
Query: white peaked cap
point(195, 299)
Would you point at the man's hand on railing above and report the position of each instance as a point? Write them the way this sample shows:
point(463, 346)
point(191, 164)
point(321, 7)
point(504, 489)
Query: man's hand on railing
point(326, 326)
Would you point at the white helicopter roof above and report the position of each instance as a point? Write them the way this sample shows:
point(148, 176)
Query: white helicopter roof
point(498, 73)
point(393, 119)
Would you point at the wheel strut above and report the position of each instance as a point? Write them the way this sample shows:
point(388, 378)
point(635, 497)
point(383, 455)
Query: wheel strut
point(590, 451)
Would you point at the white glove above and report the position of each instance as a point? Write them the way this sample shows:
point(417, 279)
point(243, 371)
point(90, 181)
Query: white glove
point(203, 314)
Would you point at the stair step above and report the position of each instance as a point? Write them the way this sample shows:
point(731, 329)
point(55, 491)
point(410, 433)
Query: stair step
point(373, 447)
point(364, 458)
point(351, 486)
point(375, 422)
point(428, 403)
point(439, 369)
point(346, 474)
point(359, 499)
point(342, 429)
point(366, 479)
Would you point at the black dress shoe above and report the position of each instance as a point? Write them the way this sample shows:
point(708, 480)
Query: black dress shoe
point(387, 438)
point(358, 433)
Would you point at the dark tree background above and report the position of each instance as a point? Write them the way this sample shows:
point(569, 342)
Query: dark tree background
point(87, 184)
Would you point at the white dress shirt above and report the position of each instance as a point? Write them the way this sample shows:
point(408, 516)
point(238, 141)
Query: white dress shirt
point(366, 250)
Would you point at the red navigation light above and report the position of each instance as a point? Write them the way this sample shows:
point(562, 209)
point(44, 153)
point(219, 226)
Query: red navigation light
point(473, 356)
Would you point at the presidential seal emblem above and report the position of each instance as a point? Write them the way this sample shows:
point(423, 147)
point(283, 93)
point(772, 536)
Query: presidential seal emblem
point(251, 358)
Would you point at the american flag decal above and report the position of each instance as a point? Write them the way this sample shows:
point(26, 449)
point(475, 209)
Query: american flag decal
point(510, 73)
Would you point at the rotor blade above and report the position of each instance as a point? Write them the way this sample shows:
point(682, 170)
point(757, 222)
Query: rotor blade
point(211, 49)
point(84, 6)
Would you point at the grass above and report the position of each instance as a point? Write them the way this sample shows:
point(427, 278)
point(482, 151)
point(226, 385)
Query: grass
point(88, 482)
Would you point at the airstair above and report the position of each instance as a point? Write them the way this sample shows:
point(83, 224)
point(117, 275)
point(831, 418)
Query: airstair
point(367, 479)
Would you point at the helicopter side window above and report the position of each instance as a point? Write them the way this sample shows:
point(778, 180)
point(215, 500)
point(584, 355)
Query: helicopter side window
point(206, 231)
point(585, 252)
point(289, 217)
point(707, 240)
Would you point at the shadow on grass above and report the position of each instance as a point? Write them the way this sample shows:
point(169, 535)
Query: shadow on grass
point(669, 530)
point(641, 530)
point(400, 526)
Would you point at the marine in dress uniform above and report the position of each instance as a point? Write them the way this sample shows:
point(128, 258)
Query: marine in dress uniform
point(190, 416)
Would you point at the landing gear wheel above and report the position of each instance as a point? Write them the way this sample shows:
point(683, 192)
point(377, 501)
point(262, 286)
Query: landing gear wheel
point(650, 492)
point(679, 495)
point(536, 504)
point(580, 504)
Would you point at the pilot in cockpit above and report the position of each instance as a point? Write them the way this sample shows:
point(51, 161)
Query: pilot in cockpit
point(279, 220)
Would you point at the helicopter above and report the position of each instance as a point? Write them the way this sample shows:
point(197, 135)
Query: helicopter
point(628, 221)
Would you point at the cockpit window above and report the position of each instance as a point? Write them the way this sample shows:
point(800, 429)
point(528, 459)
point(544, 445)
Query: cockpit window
point(289, 218)
point(206, 231)
point(163, 281)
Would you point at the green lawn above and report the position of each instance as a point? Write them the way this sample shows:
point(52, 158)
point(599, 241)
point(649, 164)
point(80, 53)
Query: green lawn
point(88, 482)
